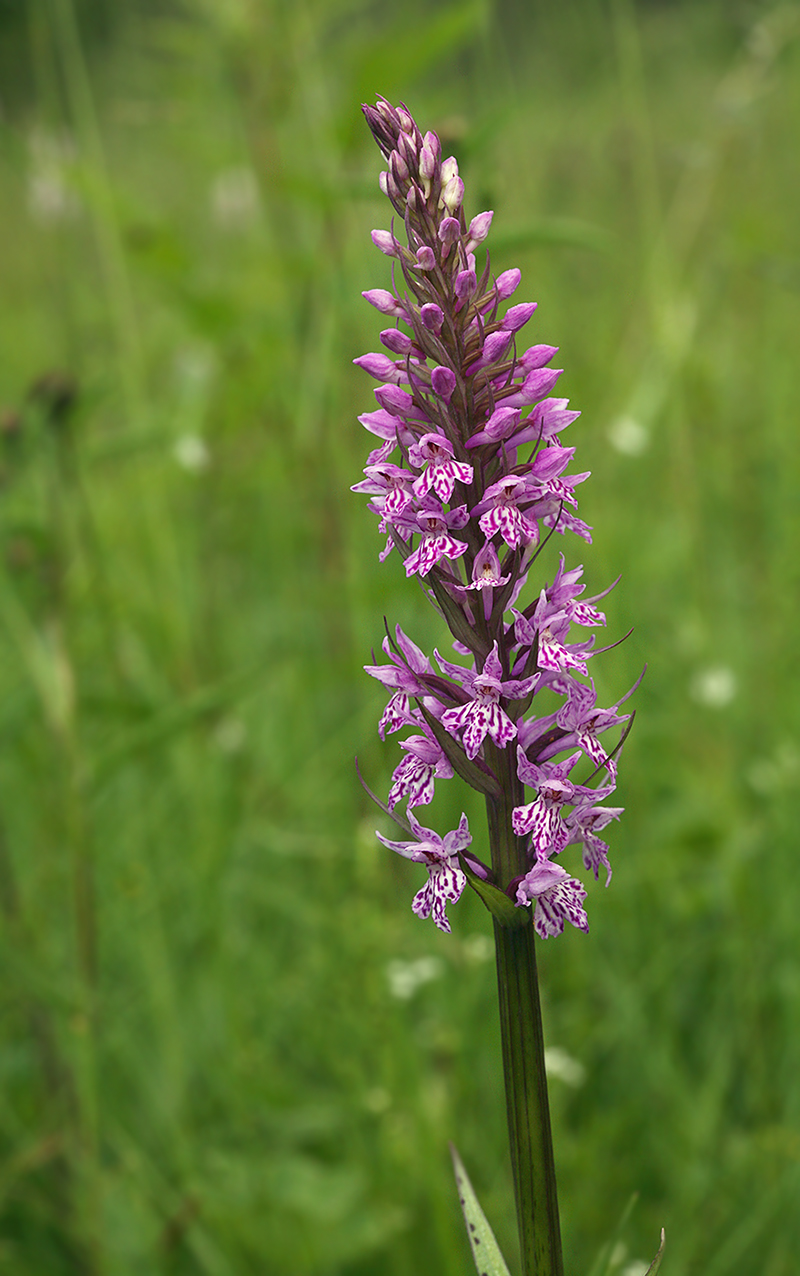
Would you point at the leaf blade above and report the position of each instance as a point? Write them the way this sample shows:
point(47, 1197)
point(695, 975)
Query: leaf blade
point(656, 1263)
point(489, 1260)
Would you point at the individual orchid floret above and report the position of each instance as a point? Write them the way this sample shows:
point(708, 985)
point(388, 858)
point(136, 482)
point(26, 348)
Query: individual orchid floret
point(536, 357)
point(392, 486)
point(436, 451)
point(446, 880)
point(486, 569)
point(544, 423)
point(543, 817)
point(449, 232)
point(499, 512)
point(483, 715)
point(549, 628)
point(558, 898)
point(414, 778)
point(583, 824)
point(434, 523)
point(486, 577)
point(403, 676)
point(564, 591)
point(583, 722)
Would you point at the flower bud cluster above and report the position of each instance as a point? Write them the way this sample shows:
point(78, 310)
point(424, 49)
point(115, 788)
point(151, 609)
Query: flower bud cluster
point(469, 478)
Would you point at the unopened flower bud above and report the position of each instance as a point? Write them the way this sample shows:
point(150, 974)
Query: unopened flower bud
point(449, 230)
point(406, 148)
point(478, 230)
point(426, 259)
point(508, 283)
point(517, 316)
point(432, 317)
point(396, 341)
point(385, 240)
point(399, 168)
point(443, 382)
point(431, 141)
point(466, 283)
point(379, 366)
point(453, 194)
point(427, 163)
point(385, 301)
point(495, 345)
point(449, 169)
point(537, 357)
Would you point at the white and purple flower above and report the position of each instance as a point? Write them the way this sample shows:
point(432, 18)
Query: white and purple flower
point(446, 880)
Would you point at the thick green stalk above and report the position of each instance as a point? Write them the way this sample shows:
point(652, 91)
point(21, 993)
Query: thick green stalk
point(530, 1137)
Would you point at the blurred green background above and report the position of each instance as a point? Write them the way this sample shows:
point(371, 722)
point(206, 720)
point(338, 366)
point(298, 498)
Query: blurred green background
point(226, 1045)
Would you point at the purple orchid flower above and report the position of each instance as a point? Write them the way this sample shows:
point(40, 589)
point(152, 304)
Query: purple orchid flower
point(414, 778)
point(558, 897)
point(483, 715)
point(583, 825)
point(433, 523)
point(499, 512)
point(401, 675)
point(468, 512)
point(446, 880)
point(443, 472)
point(543, 817)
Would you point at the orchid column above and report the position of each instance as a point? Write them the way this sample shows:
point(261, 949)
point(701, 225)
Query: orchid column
point(469, 481)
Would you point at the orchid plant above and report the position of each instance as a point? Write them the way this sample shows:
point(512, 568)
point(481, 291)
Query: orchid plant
point(470, 480)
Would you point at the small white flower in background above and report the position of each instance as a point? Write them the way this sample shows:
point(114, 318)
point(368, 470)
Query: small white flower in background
point(230, 735)
point(194, 369)
point(377, 1100)
point(636, 1267)
point(191, 453)
point(478, 949)
point(557, 1063)
point(714, 687)
point(51, 197)
point(628, 436)
point(235, 199)
point(405, 977)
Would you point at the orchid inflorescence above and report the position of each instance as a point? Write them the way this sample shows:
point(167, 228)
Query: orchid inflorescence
point(469, 482)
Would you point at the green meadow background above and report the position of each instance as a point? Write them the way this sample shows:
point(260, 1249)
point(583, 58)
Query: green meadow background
point(226, 1045)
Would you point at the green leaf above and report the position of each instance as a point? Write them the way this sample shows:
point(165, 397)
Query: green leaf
point(485, 1250)
point(499, 905)
point(656, 1263)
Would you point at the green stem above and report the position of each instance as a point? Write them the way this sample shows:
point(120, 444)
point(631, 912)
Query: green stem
point(530, 1136)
